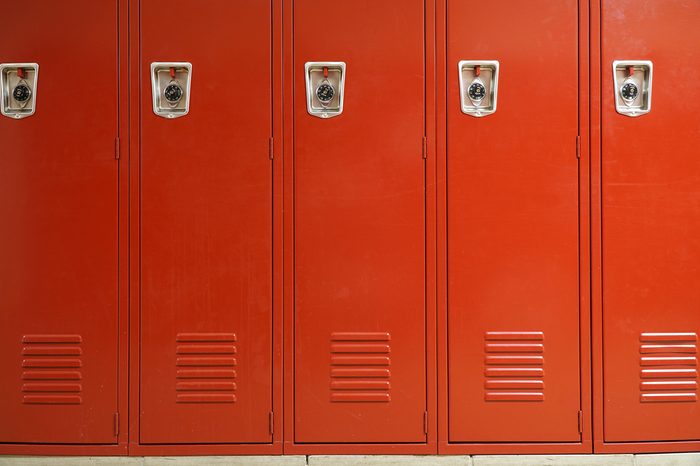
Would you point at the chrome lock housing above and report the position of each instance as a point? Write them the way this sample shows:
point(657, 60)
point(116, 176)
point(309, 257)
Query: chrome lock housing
point(325, 88)
point(18, 82)
point(478, 87)
point(632, 80)
point(171, 83)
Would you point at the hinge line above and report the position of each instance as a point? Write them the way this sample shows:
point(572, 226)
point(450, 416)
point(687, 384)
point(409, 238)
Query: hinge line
point(578, 147)
point(580, 422)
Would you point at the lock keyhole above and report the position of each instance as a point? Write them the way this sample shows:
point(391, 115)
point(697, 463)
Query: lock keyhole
point(325, 93)
point(21, 93)
point(173, 93)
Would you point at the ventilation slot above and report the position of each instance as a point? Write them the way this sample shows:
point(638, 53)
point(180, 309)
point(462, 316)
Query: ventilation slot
point(360, 367)
point(514, 366)
point(52, 369)
point(668, 367)
point(205, 371)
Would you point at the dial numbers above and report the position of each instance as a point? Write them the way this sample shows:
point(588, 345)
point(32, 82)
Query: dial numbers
point(476, 91)
point(629, 91)
point(21, 93)
point(325, 93)
point(173, 93)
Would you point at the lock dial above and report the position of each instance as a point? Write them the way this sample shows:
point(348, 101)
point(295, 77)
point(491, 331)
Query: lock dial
point(173, 93)
point(476, 91)
point(629, 91)
point(325, 93)
point(21, 93)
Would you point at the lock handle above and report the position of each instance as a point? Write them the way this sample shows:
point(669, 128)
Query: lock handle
point(170, 88)
point(632, 85)
point(18, 84)
point(478, 87)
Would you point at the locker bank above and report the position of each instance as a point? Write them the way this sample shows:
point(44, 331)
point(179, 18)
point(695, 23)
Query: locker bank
point(327, 227)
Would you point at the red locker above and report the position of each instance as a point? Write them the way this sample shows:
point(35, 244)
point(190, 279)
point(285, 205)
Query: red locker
point(651, 225)
point(359, 238)
point(206, 223)
point(513, 222)
point(59, 233)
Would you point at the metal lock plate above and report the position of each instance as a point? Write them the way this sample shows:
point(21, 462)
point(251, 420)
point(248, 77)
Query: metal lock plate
point(18, 82)
point(633, 79)
point(325, 88)
point(171, 88)
point(478, 87)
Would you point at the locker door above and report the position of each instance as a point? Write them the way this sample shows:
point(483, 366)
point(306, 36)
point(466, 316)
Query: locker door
point(206, 227)
point(360, 373)
point(58, 233)
point(651, 226)
point(512, 188)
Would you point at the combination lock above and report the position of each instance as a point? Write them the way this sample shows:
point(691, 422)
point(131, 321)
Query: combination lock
point(478, 87)
point(629, 91)
point(173, 93)
point(476, 91)
point(325, 88)
point(18, 86)
point(21, 93)
point(632, 86)
point(171, 88)
point(325, 93)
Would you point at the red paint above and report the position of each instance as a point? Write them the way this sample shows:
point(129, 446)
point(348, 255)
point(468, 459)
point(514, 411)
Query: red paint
point(214, 75)
point(512, 231)
point(59, 188)
point(650, 229)
point(206, 232)
point(359, 239)
point(75, 265)
point(469, 158)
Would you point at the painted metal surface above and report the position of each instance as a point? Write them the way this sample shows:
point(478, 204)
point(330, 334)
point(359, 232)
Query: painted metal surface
point(512, 229)
point(58, 240)
point(206, 229)
point(645, 326)
point(651, 228)
point(359, 238)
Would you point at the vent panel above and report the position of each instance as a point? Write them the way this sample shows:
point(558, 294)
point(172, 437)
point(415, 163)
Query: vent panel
point(515, 384)
point(205, 398)
point(383, 373)
point(669, 373)
point(206, 361)
point(76, 339)
point(516, 336)
point(52, 387)
point(209, 376)
point(360, 336)
point(205, 374)
point(206, 349)
point(54, 362)
point(360, 367)
point(208, 337)
point(52, 399)
point(673, 367)
point(51, 375)
point(514, 366)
